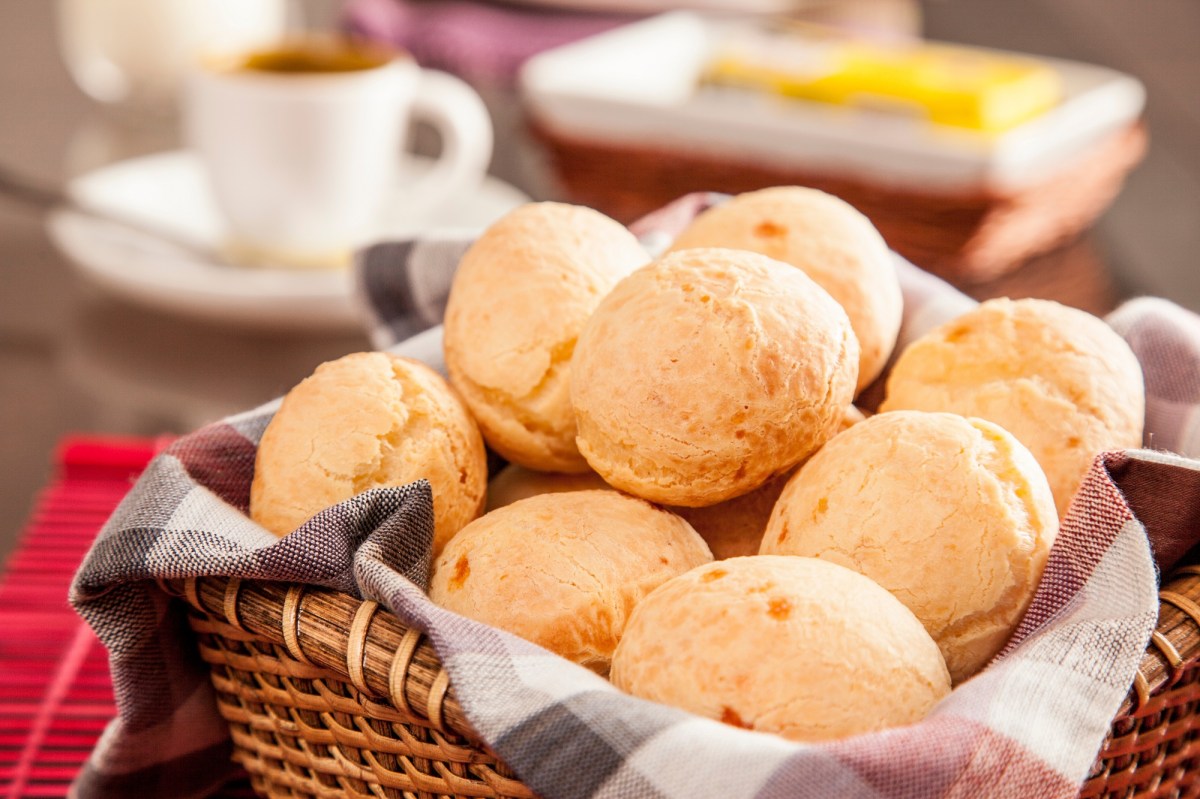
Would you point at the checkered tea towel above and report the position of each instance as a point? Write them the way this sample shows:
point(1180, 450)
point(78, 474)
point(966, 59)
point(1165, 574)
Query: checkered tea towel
point(1030, 725)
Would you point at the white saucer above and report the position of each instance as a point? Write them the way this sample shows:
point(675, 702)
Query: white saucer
point(167, 192)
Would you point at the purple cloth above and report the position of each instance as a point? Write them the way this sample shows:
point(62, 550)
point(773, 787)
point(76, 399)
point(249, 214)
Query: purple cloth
point(477, 41)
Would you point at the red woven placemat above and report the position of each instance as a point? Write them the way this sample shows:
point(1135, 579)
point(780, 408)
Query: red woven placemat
point(55, 692)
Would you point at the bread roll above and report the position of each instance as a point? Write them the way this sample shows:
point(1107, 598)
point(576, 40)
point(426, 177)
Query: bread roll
point(515, 483)
point(951, 515)
point(707, 373)
point(832, 242)
point(795, 646)
point(1059, 379)
point(519, 298)
point(564, 570)
point(735, 527)
point(363, 421)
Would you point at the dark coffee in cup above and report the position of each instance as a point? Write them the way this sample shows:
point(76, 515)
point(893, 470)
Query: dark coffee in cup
point(316, 56)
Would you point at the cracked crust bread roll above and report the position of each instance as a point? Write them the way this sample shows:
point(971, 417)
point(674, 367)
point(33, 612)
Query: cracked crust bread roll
point(735, 527)
point(708, 372)
point(952, 515)
point(519, 298)
point(731, 528)
point(799, 647)
point(368, 420)
point(831, 242)
point(564, 570)
point(515, 483)
point(1059, 379)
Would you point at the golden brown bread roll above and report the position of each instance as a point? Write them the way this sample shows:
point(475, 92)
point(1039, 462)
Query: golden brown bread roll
point(951, 515)
point(363, 421)
point(515, 483)
point(1059, 379)
point(735, 527)
point(795, 646)
point(564, 570)
point(832, 242)
point(706, 373)
point(519, 298)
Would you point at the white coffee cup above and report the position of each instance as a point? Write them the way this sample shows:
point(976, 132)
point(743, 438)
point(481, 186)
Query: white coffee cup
point(137, 52)
point(303, 144)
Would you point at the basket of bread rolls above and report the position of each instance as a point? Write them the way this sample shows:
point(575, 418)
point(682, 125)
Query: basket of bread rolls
point(747, 516)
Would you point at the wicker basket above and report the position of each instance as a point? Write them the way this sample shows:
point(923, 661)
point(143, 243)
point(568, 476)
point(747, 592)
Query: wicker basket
point(330, 696)
point(965, 237)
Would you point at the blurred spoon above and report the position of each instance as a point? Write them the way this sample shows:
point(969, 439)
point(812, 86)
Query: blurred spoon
point(49, 198)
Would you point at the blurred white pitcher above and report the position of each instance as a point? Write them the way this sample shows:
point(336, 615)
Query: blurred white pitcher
point(137, 52)
point(303, 144)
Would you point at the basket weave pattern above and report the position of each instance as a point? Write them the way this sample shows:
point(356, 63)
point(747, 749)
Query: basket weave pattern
point(1153, 749)
point(330, 696)
point(965, 236)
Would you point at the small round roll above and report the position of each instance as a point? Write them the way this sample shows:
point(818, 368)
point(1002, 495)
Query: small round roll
point(368, 420)
point(799, 647)
point(515, 483)
point(707, 373)
point(951, 515)
point(564, 570)
point(519, 298)
point(831, 241)
point(735, 527)
point(1059, 379)
point(731, 528)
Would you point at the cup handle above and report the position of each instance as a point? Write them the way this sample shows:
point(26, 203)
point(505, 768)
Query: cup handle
point(462, 122)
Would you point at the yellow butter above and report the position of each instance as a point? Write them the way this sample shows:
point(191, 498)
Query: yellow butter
point(950, 85)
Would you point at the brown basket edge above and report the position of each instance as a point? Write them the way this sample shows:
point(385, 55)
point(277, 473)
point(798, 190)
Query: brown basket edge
point(333, 641)
point(966, 236)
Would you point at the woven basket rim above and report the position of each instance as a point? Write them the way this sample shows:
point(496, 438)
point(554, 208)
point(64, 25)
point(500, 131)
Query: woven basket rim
point(362, 643)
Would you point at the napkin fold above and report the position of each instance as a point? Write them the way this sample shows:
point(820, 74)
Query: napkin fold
point(1029, 725)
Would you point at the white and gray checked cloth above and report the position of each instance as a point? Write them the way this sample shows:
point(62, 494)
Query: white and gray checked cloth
point(1029, 725)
